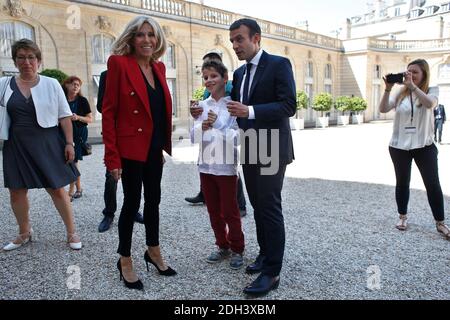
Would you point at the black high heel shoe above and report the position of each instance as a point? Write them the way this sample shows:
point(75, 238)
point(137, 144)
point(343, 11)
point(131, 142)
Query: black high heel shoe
point(168, 272)
point(132, 285)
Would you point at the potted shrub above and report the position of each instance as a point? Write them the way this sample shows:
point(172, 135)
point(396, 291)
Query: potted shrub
point(358, 105)
point(296, 122)
point(55, 73)
point(198, 93)
point(342, 104)
point(322, 102)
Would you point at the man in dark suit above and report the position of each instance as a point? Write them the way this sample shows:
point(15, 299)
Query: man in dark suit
point(264, 99)
point(109, 195)
point(439, 120)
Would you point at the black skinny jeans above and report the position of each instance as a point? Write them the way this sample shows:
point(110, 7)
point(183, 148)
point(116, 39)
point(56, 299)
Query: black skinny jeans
point(427, 162)
point(134, 175)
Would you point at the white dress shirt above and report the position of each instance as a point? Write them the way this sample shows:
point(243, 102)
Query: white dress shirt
point(423, 122)
point(218, 149)
point(254, 62)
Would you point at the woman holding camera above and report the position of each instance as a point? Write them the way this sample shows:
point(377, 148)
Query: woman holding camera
point(412, 138)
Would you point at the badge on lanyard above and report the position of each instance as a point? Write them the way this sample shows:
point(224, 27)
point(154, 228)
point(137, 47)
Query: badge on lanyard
point(410, 130)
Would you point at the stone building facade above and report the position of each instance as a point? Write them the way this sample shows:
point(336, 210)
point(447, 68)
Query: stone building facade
point(76, 36)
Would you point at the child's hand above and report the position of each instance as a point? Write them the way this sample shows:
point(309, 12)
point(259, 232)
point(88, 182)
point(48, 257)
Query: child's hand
point(206, 125)
point(212, 117)
point(195, 109)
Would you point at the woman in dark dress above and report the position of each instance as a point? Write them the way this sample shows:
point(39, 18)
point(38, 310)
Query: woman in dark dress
point(82, 115)
point(36, 155)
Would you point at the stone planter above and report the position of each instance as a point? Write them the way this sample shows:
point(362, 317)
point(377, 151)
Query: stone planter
point(297, 124)
point(357, 119)
point(343, 120)
point(322, 122)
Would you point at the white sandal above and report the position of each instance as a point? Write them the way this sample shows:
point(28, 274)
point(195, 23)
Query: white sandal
point(74, 241)
point(401, 224)
point(442, 228)
point(21, 239)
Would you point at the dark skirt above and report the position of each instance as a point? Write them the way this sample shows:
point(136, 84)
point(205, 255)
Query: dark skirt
point(33, 157)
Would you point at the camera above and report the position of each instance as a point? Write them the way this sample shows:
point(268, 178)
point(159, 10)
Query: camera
point(395, 77)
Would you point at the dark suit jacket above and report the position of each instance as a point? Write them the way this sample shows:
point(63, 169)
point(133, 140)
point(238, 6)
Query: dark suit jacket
point(273, 97)
point(101, 90)
point(127, 118)
point(440, 110)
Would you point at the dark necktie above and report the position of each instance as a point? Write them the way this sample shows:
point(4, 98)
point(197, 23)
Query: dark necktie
point(246, 84)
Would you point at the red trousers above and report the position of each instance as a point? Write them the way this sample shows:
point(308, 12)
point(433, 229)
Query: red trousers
point(220, 197)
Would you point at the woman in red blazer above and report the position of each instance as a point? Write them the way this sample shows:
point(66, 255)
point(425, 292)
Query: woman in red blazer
point(137, 126)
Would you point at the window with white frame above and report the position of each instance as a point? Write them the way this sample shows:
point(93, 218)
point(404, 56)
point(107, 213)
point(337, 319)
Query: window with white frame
point(397, 12)
point(328, 73)
point(444, 71)
point(309, 92)
point(377, 71)
point(171, 74)
point(328, 78)
point(172, 84)
point(169, 57)
point(101, 48)
point(310, 69)
point(11, 32)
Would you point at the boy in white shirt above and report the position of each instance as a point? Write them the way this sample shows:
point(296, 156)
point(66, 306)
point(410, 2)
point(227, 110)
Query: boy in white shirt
point(217, 133)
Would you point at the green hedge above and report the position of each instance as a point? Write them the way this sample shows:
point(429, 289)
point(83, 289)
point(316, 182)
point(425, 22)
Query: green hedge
point(55, 73)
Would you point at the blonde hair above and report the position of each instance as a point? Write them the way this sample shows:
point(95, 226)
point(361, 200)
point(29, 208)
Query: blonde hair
point(424, 85)
point(122, 46)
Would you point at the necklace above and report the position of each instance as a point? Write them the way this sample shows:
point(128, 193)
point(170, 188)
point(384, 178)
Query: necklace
point(28, 81)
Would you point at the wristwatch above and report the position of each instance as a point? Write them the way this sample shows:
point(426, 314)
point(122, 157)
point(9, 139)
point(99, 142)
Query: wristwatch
point(71, 143)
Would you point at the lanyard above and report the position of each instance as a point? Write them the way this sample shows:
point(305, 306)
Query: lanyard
point(412, 107)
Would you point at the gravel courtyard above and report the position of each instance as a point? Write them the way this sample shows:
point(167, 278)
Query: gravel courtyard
point(339, 210)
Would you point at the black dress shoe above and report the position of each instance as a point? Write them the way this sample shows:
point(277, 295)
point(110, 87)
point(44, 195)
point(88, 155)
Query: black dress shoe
point(139, 218)
point(262, 285)
point(105, 224)
point(197, 199)
point(256, 266)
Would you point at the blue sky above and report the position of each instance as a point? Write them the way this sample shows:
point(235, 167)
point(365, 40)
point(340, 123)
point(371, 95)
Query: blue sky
point(323, 15)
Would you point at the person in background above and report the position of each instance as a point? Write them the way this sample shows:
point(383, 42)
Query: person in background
point(439, 120)
point(110, 192)
point(36, 156)
point(137, 127)
point(195, 112)
point(412, 139)
point(81, 117)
